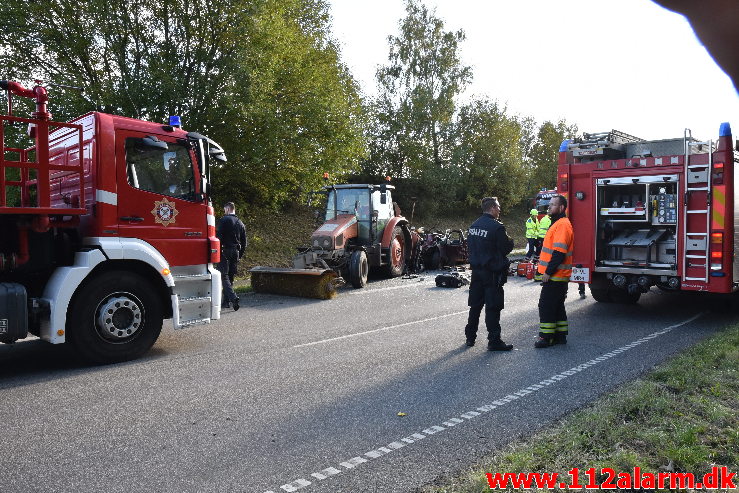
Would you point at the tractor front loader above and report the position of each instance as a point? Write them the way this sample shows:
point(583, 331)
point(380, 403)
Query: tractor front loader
point(363, 229)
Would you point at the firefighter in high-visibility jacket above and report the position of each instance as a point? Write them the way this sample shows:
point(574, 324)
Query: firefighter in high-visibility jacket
point(532, 233)
point(555, 268)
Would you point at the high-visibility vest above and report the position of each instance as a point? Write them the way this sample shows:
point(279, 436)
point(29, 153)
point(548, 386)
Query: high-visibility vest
point(532, 227)
point(559, 238)
point(544, 224)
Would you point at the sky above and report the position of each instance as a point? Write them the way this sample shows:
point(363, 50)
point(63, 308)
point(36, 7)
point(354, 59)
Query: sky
point(628, 65)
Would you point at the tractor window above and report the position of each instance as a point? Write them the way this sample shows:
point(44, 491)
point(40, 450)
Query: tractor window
point(348, 201)
point(164, 171)
point(384, 211)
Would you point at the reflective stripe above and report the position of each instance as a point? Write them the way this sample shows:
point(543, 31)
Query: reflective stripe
point(543, 262)
point(560, 279)
point(546, 331)
point(547, 250)
point(562, 323)
point(561, 245)
point(565, 267)
point(106, 197)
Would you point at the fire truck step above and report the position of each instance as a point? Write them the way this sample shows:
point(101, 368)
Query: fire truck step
point(696, 256)
point(697, 212)
point(193, 277)
point(697, 189)
point(695, 279)
point(195, 299)
point(697, 166)
point(195, 321)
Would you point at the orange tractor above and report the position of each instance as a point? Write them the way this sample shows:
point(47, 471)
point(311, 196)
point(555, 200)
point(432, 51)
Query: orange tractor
point(363, 229)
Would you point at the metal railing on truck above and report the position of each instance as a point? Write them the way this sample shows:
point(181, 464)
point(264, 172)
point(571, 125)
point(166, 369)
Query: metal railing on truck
point(53, 183)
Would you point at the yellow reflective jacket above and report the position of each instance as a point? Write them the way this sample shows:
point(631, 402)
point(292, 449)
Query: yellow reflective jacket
point(532, 227)
point(544, 224)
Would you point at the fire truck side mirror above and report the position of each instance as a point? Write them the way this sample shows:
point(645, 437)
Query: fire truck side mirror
point(218, 154)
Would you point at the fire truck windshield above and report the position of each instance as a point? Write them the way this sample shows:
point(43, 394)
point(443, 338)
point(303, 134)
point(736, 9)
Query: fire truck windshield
point(156, 169)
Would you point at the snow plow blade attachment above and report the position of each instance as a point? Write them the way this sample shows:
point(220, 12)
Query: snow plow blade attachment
point(306, 283)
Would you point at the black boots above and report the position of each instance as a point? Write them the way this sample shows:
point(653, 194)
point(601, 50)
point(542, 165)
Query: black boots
point(558, 338)
point(499, 345)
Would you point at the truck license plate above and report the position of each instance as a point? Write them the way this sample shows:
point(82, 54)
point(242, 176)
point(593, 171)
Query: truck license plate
point(580, 274)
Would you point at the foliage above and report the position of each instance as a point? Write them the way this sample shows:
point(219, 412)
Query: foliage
point(262, 77)
point(543, 156)
point(488, 154)
point(417, 102)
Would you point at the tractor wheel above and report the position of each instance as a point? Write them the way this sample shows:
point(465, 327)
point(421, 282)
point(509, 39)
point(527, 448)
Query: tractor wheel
point(396, 254)
point(115, 317)
point(358, 269)
point(435, 259)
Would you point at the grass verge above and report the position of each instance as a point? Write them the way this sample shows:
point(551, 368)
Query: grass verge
point(681, 417)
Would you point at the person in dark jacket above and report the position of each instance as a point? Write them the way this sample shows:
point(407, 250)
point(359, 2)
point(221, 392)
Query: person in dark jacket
point(232, 233)
point(488, 244)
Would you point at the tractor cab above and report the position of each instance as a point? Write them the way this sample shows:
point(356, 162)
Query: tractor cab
point(371, 205)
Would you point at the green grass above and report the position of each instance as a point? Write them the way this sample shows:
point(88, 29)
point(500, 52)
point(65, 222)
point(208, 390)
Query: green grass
point(682, 416)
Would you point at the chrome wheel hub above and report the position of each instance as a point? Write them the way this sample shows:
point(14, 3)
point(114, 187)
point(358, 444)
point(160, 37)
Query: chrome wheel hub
point(119, 317)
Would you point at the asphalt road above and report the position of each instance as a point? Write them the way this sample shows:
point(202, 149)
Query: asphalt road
point(303, 395)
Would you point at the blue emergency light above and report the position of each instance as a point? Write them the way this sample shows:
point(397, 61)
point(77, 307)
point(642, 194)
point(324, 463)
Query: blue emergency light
point(174, 121)
point(563, 146)
point(724, 130)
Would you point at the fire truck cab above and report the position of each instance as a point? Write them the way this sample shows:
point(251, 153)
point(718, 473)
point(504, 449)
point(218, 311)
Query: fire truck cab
point(108, 230)
point(651, 213)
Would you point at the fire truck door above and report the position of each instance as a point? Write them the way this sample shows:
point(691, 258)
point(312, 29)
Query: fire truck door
point(158, 190)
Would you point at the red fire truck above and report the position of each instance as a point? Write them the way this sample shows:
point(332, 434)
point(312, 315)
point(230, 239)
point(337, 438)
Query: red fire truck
point(651, 213)
point(107, 230)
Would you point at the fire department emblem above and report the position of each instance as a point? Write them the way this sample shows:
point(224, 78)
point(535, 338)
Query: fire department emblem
point(164, 212)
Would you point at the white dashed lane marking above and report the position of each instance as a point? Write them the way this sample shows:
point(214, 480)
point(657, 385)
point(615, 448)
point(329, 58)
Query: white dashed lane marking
point(379, 452)
point(381, 329)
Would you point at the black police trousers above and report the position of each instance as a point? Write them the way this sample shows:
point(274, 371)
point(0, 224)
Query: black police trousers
point(229, 260)
point(486, 289)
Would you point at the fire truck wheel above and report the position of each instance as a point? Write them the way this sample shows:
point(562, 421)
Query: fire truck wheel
point(114, 317)
point(396, 253)
point(358, 269)
point(624, 297)
point(600, 294)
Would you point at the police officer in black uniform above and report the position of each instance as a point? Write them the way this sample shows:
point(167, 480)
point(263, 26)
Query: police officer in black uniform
point(232, 233)
point(488, 245)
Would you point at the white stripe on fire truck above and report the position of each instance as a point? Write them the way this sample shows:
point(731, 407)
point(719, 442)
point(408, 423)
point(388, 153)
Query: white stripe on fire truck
point(106, 197)
point(211, 220)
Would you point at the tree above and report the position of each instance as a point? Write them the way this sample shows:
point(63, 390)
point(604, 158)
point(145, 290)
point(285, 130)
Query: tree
point(544, 154)
point(418, 89)
point(489, 155)
point(261, 77)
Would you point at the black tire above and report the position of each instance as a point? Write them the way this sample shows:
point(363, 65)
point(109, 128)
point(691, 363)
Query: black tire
point(396, 253)
point(600, 294)
point(358, 269)
point(434, 261)
point(624, 297)
point(134, 321)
